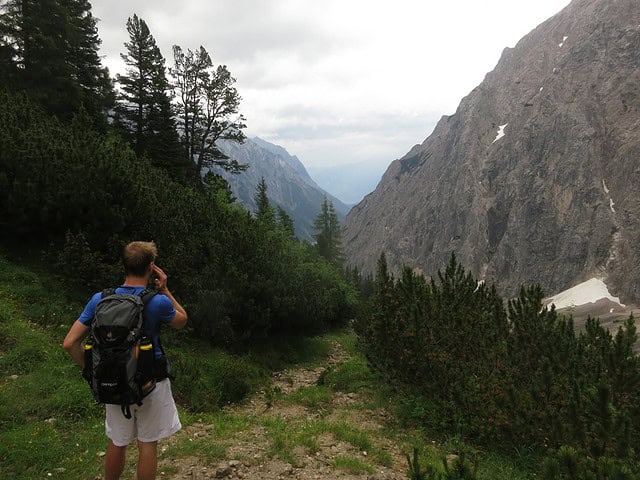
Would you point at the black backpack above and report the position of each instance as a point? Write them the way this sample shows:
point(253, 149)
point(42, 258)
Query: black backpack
point(119, 357)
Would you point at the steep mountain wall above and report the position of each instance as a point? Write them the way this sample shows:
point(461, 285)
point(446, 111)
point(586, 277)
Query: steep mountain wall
point(536, 177)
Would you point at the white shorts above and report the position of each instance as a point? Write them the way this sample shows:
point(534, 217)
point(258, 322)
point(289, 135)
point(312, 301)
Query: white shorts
point(155, 419)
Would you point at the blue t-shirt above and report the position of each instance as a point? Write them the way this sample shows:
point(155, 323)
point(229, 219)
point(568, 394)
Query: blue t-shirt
point(159, 310)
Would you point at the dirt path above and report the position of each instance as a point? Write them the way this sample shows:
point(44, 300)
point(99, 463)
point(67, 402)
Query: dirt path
point(294, 429)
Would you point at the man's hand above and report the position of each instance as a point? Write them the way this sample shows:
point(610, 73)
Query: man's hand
point(180, 320)
point(161, 279)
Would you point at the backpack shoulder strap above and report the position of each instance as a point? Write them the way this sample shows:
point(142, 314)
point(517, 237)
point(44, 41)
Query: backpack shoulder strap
point(146, 296)
point(108, 291)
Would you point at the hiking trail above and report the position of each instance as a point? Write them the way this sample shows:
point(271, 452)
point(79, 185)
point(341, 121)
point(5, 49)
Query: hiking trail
point(294, 429)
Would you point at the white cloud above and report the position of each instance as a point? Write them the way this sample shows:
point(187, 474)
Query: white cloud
point(348, 78)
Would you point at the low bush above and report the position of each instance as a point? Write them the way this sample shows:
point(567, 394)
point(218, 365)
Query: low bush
point(511, 375)
point(207, 380)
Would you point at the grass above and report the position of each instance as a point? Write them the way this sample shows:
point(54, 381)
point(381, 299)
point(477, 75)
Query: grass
point(352, 465)
point(491, 466)
point(211, 442)
point(351, 376)
point(285, 435)
point(283, 440)
point(48, 421)
point(314, 397)
point(347, 340)
point(383, 458)
point(34, 449)
point(203, 448)
point(350, 434)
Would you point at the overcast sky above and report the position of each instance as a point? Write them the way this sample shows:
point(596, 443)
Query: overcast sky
point(337, 81)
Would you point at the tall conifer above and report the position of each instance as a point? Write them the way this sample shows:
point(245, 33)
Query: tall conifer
point(208, 109)
point(52, 47)
point(328, 234)
point(144, 112)
point(286, 222)
point(264, 210)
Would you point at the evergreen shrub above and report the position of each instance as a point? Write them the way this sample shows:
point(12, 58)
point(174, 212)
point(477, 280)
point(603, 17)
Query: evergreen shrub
point(509, 374)
point(87, 194)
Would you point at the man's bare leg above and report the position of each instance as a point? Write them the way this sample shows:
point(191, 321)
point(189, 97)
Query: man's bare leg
point(147, 460)
point(114, 461)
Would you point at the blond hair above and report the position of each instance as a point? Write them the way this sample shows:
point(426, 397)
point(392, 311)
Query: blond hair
point(137, 257)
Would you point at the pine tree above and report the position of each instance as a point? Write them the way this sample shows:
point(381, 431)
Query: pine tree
point(27, 30)
point(383, 280)
point(52, 46)
point(144, 112)
point(143, 62)
point(328, 234)
point(264, 210)
point(208, 109)
point(415, 471)
point(96, 86)
point(286, 222)
point(218, 186)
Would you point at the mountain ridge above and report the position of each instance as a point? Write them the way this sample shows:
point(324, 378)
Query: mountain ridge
point(550, 202)
point(288, 183)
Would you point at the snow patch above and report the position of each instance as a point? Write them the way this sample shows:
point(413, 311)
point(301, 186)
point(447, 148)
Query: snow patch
point(588, 292)
point(611, 202)
point(500, 133)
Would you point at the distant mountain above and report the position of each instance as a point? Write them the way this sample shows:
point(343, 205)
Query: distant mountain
point(292, 160)
point(535, 178)
point(351, 182)
point(288, 183)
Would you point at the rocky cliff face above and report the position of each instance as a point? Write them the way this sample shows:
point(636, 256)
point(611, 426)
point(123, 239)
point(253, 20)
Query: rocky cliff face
point(536, 177)
point(288, 183)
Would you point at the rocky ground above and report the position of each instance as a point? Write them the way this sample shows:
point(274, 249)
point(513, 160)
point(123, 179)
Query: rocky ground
point(294, 429)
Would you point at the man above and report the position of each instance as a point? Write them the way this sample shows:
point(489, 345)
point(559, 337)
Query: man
point(157, 417)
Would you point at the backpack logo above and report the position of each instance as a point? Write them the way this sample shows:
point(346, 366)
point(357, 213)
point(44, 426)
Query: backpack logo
point(119, 358)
